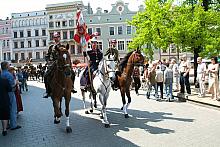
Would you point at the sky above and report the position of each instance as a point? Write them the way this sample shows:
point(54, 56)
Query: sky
point(17, 6)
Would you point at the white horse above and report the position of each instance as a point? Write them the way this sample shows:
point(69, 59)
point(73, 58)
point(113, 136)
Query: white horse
point(104, 76)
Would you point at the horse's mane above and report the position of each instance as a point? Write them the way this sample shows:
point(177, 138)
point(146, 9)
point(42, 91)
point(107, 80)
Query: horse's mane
point(124, 61)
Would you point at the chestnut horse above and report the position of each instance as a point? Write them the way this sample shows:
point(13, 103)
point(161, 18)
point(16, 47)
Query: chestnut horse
point(61, 84)
point(126, 68)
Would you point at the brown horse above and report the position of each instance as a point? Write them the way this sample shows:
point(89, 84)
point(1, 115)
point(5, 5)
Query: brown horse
point(124, 78)
point(61, 85)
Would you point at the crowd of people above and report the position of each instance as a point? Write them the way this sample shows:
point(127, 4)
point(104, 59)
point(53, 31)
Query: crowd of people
point(169, 76)
point(13, 81)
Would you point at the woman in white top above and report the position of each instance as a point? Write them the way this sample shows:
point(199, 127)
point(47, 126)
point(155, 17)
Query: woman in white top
point(213, 78)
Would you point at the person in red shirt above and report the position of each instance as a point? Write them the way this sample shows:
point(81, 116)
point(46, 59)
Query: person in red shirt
point(136, 77)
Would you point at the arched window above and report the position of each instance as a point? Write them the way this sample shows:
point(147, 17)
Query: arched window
point(27, 22)
point(23, 23)
point(38, 21)
point(20, 23)
point(17, 23)
point(31, 22)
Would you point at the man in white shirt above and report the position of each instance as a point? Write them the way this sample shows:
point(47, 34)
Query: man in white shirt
point(159, 80)
point(201, 69)
point(184, 69)
point(175, 75)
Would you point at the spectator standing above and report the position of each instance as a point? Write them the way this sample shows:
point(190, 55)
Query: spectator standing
point(213, 78)
point(25, 78)
point(4, 104)
point(19, 76)
point(152, 80)
point(184, 75)
point(13, 105)
point(175, 75)
point(168, 81)
point(159, 79)
point(201, 70)
point(17, 91)
point(137, 81)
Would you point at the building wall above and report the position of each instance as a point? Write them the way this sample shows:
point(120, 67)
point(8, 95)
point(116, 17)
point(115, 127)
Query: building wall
point(33, 46)
point(5, 40)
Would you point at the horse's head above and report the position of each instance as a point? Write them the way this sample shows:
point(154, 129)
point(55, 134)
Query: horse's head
point(136, 57)
point(64, 60)
point(111, 67)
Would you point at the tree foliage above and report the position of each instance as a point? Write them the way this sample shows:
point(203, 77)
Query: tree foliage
point(189, 27)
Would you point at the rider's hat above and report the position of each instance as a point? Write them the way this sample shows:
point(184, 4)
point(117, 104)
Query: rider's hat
point(113, 41)
point(56, 34)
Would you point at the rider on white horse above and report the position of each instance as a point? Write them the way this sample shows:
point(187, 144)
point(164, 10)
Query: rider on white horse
point(95, 56)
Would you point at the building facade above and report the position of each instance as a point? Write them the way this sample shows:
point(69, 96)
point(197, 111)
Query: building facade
point(112, 25)
point(62, 19)
point(29, 35)
point(5, 40)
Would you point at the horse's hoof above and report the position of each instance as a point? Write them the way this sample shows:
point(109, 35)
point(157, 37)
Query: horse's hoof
point(126, 116)
point(91, 110)
point(86, 112)
point(107, 125)
point(121, 108)
point(68, 130)
point(95, 105)
point(56, 121)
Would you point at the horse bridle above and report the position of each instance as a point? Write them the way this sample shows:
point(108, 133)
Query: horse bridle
point(106, 69)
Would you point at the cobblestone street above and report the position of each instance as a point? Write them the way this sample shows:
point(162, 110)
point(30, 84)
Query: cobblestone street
point(151, 123)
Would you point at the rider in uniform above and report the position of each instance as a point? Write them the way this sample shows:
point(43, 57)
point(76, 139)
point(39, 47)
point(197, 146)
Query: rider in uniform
point(51, 58)
point(112, 50)
point(95, 56)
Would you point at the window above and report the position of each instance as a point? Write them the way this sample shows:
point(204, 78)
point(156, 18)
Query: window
point(64, 35)
point(16, 56)
point(164, 51)
point(99, 45)
point(22, 56)
point(15, 35)
point(3, 43)
point(128, 30)
point(43, 32)
point(44, 42)
point(22, 44)
point(21, 34)
point(51, 24)
point(37, 43)
point(5, 56)
point(44, 54)
point(98, 30)
point(72, 49)
point(64, 23)
point(51, 17)
point(120, 30)
point(37, 55)
point(112, 31)
point(71, 22)
point(127, 43)
point(30, 55)
point(8, 56)
point(121, 45)
point(57, 24)
point(71, 34)
point(29, 33)
point(7, 42)
point(15, 45)
point(51, 36)
point(90, 31)
point(36, 33)
point(29, 43)
point(79, 49)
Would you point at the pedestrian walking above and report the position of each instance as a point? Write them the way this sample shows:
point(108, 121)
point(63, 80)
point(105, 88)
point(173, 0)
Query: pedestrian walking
point(152, 80)
point(184, 75)
point(19, 76)
point(213, 78)
point(176, 75)
point(137, 81)
point(4, 104)
point(160, 80)
point(201, 71)
point(25, 78)
point(13, 105)
point(168, 81)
